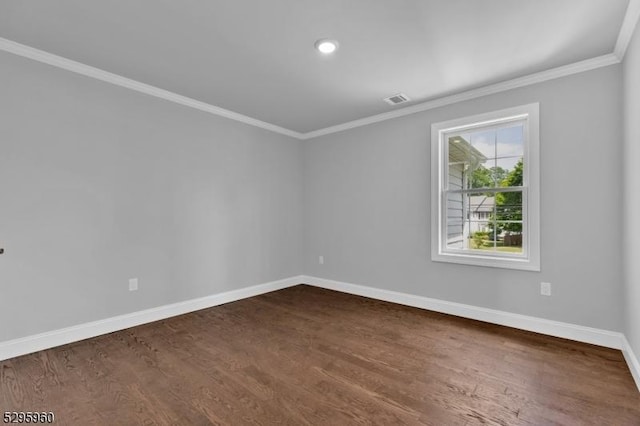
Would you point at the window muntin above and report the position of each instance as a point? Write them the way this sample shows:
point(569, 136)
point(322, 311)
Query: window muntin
point(483, 189)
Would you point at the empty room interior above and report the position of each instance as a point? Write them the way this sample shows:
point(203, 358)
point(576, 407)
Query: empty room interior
point(320, 213)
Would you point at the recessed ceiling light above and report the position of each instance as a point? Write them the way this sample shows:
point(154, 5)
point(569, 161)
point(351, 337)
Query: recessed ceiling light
point(326, 46)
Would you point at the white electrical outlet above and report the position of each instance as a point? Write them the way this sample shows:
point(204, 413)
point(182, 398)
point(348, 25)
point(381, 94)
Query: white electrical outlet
point(545, 289)
point(321, 260)
point(133, 284)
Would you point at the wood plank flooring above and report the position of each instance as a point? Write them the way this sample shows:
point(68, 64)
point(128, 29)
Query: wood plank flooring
point(308, 356)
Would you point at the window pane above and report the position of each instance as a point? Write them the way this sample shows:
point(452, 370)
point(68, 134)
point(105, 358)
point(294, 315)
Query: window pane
point(509, 141)
point(463, 160)
point(506, 223)
point(485, 157)
point(484, 141)
point(495, 175)
point(509, 155)
point(480, 209)
point(508, 171)
point(486, 222)
point(468, 214)
point(455, 231)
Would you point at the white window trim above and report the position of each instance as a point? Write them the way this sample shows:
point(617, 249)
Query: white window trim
point(531, 184)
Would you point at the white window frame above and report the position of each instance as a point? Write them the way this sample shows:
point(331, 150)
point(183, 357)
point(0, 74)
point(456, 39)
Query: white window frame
point(530, 259)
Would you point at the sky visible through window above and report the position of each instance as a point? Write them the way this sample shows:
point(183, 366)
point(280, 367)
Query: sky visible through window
point(503, 147)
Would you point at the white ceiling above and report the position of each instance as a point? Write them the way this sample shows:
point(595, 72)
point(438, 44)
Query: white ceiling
point(256, 57)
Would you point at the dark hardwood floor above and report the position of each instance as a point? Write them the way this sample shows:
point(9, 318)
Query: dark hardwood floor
point(307, 356)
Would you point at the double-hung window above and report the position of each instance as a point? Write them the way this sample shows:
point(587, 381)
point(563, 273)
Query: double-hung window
point(485, 195)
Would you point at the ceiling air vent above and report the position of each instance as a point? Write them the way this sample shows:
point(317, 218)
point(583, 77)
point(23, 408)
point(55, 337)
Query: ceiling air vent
point(397, 99)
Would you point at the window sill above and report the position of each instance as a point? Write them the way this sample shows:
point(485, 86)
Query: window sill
point(523, 264)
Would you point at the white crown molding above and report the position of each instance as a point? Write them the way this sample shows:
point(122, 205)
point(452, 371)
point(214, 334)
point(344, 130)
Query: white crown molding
point(579, 333)
point(89, 71)
point(539, 77)
point(38, 342)
point(626, 30)
point(632, 361)
point(108, 77)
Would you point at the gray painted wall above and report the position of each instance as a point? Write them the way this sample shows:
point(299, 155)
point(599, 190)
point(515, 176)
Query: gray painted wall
point(632, 191)
point(367, 209)
point(99, 184)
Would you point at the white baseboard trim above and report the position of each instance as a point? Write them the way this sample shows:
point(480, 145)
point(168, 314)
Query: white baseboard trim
point(38, 342)
point(632, 361)
point(609, 339)
point(47, 340)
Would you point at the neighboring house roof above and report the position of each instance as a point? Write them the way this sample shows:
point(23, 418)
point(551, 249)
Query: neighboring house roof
point(481, 203)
